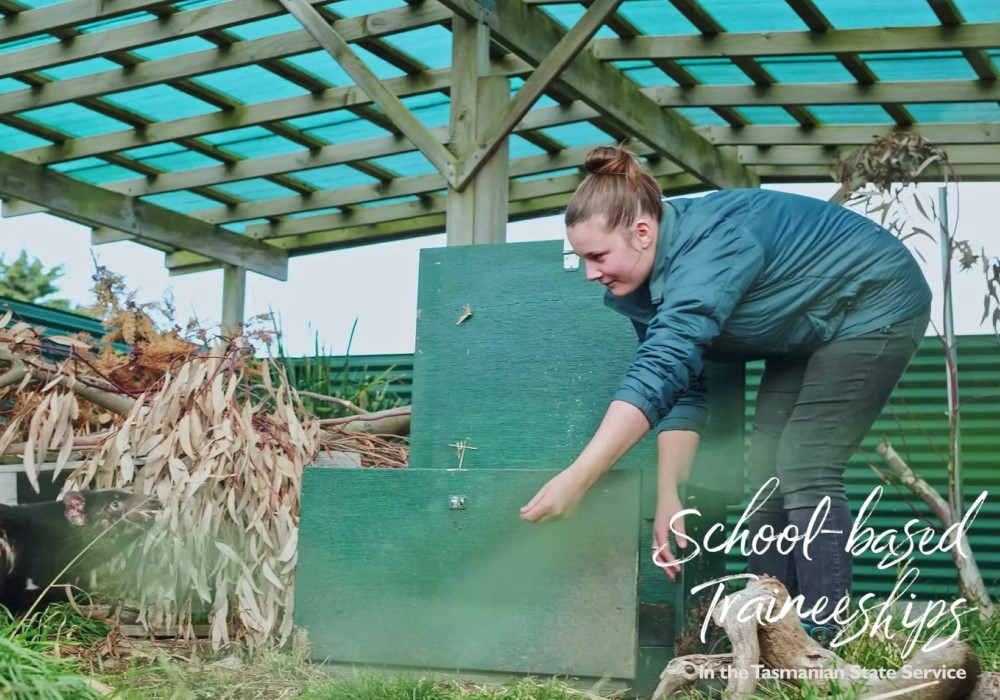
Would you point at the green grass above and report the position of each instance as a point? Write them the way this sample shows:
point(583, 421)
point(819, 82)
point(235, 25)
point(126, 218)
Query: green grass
point(38, 656)
point(30, 669)
point(286, 676)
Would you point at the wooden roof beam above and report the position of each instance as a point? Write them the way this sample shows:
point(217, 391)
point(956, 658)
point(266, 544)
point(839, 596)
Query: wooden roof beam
point(240, 53)
point(530, 33)
point(413, 219)
point(833, 41)
point(950, 16)
point(80, 201)
point(567, 48)
point(64, 15)
point(903, 92)
point(943, 135)
point(338, 48)
point(818, 22)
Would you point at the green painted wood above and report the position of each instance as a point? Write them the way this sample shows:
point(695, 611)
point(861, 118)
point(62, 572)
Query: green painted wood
point(389, 574)
point(527, 378)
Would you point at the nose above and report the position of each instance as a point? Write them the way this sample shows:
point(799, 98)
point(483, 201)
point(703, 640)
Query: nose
point(593, 273)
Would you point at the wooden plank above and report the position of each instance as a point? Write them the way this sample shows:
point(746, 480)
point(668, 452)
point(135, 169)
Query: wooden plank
point(51, 19)
point(549, 355)
point(251, 115)
point(134, 36)
point(568, 47)
point(532, 34)
point(469, 52)
point(492, 183)
point(333, 154)
point(413, 219)
point(234, 293)
point(64, 195)
point(553, 390)
point(241, 53)
point(910, 92)
point(390, 104)
point(969, 172)
point(834, 41)
point(943, 135)
point(981, 154)
point(433, 203)
point(390, 573)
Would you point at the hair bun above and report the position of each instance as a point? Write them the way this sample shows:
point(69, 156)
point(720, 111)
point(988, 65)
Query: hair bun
point(611, 160)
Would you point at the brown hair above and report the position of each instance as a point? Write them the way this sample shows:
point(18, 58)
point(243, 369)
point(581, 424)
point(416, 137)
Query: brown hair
point(617, 188)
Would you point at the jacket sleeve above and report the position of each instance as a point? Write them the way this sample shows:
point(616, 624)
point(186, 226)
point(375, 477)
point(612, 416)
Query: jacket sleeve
point(691, 410)
point(707, 275)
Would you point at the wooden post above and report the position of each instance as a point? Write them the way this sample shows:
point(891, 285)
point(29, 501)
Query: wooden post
point(477, 213)
point(234, 288)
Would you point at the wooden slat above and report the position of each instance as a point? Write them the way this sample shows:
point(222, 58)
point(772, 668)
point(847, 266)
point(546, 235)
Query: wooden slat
point(530, 33)
point(64, 195)
point(63, 15)
point(912, 92)
point(250, 115)
point(388, 102)
point(242, 53)
point(536, 84)
point(833, 41)
point(943, 135)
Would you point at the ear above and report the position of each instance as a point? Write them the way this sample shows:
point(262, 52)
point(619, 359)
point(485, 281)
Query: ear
point(643, 230)
point(75, 513)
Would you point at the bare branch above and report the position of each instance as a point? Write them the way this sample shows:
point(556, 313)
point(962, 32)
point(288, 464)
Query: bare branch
point(395, 421)
point(105, 398)
point(343, 403)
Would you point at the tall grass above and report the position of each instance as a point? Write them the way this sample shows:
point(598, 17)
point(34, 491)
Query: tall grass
point(319, 375)
point(38, 657)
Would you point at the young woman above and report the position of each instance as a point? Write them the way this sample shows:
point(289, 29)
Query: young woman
point(833, 303)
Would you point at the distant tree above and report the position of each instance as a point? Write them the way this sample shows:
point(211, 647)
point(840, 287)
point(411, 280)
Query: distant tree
point(27, 279)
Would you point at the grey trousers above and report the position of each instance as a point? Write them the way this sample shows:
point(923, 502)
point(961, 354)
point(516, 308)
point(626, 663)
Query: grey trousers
point(812, 413)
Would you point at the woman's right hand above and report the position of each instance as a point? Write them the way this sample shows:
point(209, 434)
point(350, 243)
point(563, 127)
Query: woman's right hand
point(668, 504)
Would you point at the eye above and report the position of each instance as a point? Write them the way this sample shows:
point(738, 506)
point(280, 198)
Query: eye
point(115, 505)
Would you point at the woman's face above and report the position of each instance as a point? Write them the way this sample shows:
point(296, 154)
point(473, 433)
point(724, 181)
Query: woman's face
point(620, 259)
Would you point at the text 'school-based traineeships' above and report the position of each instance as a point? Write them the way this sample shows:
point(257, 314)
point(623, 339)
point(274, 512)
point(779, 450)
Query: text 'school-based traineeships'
point(896, 547)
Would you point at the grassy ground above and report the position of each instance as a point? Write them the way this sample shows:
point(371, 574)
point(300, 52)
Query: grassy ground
point(55, 656)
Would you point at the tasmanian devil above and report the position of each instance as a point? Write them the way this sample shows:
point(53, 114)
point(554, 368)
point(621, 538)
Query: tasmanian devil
point(38, 541)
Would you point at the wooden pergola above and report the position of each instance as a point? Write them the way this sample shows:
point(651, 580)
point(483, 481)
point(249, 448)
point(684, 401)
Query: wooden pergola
point(237, 133)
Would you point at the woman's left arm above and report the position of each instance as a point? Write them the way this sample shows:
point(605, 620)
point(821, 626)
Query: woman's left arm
point(623, 426)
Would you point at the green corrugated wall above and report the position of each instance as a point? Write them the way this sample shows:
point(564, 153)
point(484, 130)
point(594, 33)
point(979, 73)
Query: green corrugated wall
point(916, 424)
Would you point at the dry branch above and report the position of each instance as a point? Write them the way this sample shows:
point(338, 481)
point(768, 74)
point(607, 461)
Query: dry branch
point(394, 421)
point(784, 646)
point(970, 579)
point(230, 470)
point(343, 403)
point(108, 399)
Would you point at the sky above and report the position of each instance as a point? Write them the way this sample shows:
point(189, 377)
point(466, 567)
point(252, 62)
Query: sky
point(377, 285)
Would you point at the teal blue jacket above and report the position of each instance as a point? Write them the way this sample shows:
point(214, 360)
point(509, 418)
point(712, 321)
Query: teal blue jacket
point(749, 274)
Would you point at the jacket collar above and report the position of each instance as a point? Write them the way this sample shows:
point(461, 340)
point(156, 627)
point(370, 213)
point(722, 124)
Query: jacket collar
point(657, 280)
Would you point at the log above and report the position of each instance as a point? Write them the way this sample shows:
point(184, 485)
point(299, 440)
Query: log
point(782, 646)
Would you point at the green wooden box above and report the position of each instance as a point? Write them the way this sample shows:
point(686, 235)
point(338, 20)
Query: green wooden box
point(390, 574)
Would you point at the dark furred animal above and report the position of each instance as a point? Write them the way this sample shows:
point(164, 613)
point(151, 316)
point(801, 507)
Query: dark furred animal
point(38, 541)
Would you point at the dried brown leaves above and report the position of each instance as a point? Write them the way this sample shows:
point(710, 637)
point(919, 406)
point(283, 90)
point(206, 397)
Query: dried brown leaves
point(230, 471)
point(897, 157)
